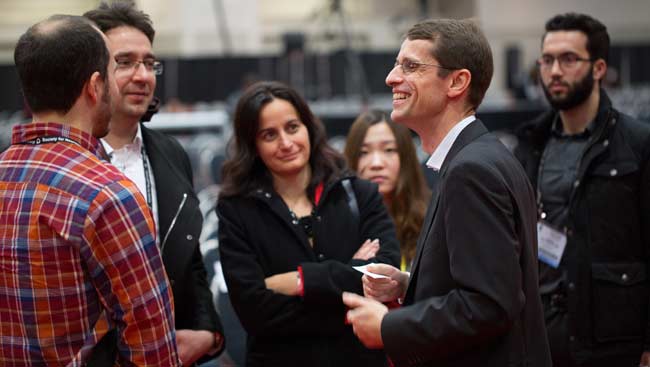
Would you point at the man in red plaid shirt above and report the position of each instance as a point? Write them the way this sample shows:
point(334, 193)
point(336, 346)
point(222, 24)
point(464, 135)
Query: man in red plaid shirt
point(78, 254)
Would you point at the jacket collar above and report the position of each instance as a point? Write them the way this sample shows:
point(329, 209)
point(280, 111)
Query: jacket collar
point(538, 131)
point(470, 133)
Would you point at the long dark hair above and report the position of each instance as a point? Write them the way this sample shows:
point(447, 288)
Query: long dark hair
point(410, 197)
point(244, 171)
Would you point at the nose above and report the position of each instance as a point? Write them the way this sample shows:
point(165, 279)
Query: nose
point(141, 72)
point(394, 76)
point(555, 67)
point(285, 141)
point(376, 160)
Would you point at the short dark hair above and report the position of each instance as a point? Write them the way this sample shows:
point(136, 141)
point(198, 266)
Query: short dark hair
point(121, 13)
point(459, 44)
point(596, 32)
point(55, 58)
point(244, 171)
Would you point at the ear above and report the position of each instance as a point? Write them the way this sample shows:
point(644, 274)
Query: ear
point(94, 87)
point(599, 69)
point(459, 83)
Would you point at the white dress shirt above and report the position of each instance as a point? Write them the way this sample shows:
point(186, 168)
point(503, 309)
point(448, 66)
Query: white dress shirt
point(438, 157)
point(130, 160)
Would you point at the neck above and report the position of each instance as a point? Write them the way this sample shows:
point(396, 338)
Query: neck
point(435, 131)
point(575, 120)
point(70, 119)
point(122, 132)
point(291, 188)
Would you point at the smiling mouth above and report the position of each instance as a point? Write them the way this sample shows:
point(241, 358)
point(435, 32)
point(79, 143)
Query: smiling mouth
point(289, 157)
point(400, 96)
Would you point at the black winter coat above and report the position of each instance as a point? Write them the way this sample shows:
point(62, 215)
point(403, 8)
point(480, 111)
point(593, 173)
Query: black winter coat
point(607, 255)
point(258, 238)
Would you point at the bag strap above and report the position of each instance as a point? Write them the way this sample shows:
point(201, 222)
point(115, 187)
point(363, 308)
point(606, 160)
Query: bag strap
point(352, 198)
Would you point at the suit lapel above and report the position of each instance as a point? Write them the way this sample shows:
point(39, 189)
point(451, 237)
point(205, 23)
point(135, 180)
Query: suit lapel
point(469, 133)
point(170, 185)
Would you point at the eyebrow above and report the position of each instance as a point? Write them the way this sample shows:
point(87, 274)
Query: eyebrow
point(382, 142)
point(148, 55)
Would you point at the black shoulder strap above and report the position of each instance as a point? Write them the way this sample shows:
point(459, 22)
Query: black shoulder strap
point(352, 198)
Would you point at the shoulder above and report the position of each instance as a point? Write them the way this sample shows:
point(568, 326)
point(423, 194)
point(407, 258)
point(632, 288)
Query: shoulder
point(93, 172)
point(635, 134)
point(161, 140)
point(635, 128)
point(363, 190)
point(237, 204)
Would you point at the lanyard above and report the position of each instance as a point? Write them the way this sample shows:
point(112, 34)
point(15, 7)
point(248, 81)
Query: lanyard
point(49, 139)
point(147, 179)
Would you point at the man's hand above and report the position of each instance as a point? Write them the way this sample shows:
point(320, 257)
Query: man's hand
point(193, 344)
point(367, 250)
point(365, 316)
point(645, 359)
point(385, 289)
point(285, 283)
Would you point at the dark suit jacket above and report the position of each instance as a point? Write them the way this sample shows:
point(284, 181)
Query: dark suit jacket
point(473, 299)
point(172, 171)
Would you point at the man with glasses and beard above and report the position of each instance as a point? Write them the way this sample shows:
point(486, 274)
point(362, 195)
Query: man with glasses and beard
point(589, 165)
point(162, 171)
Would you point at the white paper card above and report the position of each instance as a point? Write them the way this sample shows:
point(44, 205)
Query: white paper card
point(551, 244)
point(364, 270)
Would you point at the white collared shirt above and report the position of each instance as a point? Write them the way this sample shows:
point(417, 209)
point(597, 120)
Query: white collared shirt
point(438, 157)
point(130, 160)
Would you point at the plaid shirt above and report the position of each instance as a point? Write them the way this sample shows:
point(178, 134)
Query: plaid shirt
point(75, 246)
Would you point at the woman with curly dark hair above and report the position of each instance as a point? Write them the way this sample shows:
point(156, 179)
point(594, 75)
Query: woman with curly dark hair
point(292, 223)
point(383, 152)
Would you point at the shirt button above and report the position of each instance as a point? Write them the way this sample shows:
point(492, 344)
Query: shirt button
point(321, 257)
point(576, 184)
point(606, 143)
point(572, 286)
point(624, 277)
point(318, 218)
point(295, 221)
point(268, 196)
point(189, 237)
point(613, 172)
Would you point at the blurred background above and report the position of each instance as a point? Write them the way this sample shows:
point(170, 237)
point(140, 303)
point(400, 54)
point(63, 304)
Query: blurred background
point(337, 54)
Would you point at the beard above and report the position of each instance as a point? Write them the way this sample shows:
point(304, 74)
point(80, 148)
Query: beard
point(577, 93)
point(103, 115)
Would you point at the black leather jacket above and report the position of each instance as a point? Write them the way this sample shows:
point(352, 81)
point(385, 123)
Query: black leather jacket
point(607, 257)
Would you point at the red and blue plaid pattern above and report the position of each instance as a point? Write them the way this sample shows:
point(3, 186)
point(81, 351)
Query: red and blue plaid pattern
point(76, 248)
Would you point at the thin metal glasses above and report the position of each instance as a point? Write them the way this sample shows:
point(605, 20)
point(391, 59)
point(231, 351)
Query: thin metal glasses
point(410, 66)
point(128, 66)
point(567, 61)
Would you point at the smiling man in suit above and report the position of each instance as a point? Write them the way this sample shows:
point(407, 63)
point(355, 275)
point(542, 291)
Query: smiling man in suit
point(472, 297)
point(161, 169)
